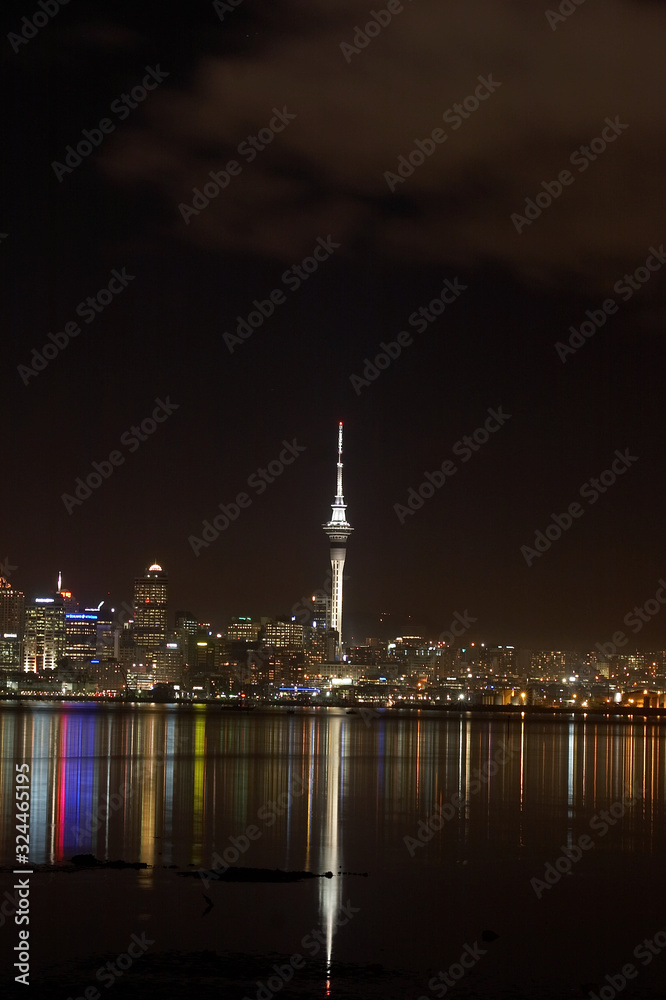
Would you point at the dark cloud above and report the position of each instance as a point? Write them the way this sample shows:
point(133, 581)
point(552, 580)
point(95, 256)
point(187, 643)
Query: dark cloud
point(325, 172)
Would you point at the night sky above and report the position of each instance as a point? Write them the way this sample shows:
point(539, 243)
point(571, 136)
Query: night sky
point(393, 243)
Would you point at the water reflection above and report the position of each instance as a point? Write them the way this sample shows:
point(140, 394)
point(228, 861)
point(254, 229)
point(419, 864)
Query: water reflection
point(330, 892)
point(325, 791)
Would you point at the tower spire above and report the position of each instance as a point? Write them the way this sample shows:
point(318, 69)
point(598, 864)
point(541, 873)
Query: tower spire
point(338, 530)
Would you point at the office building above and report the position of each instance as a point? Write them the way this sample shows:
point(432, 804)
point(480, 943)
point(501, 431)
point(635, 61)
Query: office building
point(45, 635)
point(12, 615)
point(150, 610)
point(81, 636)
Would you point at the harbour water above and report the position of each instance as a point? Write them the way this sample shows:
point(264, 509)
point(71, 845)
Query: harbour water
point(532, 845)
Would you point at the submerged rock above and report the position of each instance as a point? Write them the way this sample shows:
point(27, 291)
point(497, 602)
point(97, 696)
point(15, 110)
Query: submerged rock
point(90, 861)
point(256, 875)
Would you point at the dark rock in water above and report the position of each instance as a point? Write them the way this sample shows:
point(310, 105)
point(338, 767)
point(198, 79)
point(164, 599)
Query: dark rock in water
point(125, 864)
point(253, 875)
point(86, 861)
point(260, 875)
point(90, 861)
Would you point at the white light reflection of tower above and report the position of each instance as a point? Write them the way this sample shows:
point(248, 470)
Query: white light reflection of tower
point(338, 530)
point(330, 889)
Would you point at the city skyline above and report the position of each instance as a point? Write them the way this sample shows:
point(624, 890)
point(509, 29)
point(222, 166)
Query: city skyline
point(462, 630)
point(179, 354)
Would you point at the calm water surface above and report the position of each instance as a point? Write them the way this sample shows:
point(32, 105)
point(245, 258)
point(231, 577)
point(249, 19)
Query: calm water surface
point(324, 791)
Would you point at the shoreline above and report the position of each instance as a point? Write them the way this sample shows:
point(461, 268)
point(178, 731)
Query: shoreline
point(615, 711)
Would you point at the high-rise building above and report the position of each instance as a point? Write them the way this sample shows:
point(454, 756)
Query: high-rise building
point(320, 612)
point(186, 623)
point(12, 612)
point(338, 530)
point(107, 632)
point(282, 653)
point(320, 639)
point(150, 609)
point(283, 634)
point(168, 668)
point(243, 629)
point(187, 629)
point(81, 635)
point(45, 637)
point(205, 654)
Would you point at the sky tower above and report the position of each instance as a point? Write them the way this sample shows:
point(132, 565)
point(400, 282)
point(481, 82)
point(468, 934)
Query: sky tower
point(338, 530)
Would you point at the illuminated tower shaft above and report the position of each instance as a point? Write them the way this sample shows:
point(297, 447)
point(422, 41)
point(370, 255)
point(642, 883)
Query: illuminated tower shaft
point(338, 530)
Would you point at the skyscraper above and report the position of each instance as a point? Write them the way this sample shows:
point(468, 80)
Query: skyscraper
point(243, 629)
point(150, 609)
point(81, 635)
point(338, 530)
point(45, 637)
point(11, 623)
